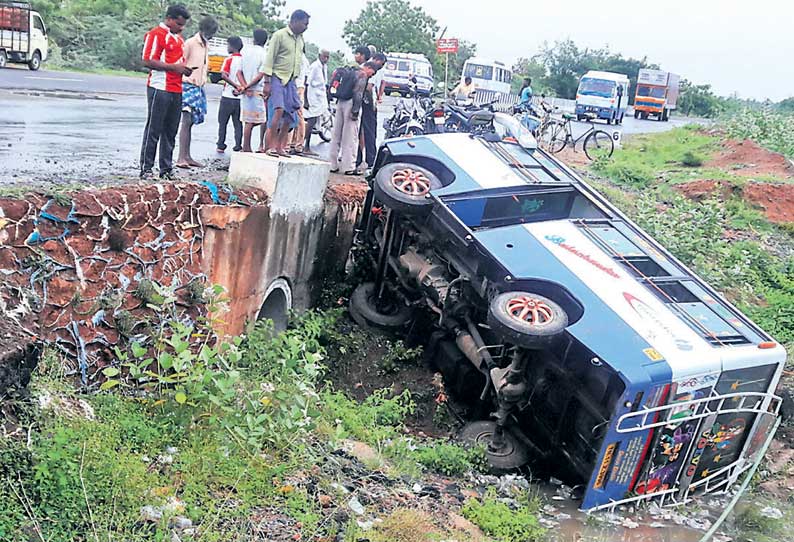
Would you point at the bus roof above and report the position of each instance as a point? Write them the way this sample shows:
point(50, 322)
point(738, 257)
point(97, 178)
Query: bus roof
point(486, 62)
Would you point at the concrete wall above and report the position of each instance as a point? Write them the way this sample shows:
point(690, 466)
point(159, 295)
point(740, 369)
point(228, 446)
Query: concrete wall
point(72, 268)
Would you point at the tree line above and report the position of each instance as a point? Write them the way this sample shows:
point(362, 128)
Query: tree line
point(95, 34)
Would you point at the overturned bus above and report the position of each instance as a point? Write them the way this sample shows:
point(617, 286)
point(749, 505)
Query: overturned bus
point(590, 350)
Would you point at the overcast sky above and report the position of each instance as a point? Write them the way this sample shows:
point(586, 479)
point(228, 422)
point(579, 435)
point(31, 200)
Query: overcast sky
point(736, 46)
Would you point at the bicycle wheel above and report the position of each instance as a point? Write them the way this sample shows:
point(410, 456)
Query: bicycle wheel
point(598, 144)
point(554, 137)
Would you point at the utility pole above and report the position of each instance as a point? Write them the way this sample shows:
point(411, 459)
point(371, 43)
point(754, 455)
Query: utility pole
point(446, 74)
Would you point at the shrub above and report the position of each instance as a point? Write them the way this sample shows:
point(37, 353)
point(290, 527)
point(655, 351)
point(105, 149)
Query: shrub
point(632, 174)
point(377, 419)
point(691, 159)
point(450, 459)
point(505, 524)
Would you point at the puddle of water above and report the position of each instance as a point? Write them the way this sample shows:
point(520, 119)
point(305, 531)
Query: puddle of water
point(569, 524)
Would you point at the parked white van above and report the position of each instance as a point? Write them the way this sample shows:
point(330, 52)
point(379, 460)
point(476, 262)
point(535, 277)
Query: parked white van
point(401, 67)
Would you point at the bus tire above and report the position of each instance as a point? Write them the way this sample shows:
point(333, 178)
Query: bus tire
point(526, 319)
point(513, 454)
point(215, 78)
point(405, 187)
point(636, 114)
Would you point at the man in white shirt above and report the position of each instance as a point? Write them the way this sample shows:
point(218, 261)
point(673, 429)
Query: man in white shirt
point(316, 96)
point(252, 103)
point(230, 98)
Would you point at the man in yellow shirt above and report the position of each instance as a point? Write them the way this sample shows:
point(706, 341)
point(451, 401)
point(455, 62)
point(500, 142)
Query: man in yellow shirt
point(282, 66)
point(465, 90)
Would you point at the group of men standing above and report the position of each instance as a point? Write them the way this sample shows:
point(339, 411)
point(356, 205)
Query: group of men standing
point(262, 89)
point(269, 84)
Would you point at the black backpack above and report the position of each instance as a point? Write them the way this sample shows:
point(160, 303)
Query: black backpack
point(343, 81)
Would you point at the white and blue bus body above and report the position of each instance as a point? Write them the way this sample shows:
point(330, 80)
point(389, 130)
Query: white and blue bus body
point(603, 95)
point(492, 79)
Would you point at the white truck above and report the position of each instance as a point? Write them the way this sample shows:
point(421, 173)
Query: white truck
point(602, 95)
point(657, 94)
point(23, 36)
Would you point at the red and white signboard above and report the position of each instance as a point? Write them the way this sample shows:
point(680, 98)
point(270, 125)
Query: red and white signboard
point(447, 45)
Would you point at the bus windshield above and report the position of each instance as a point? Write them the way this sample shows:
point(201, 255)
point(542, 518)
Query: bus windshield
point(597, 87)
point(650, 92)
point(478, 71)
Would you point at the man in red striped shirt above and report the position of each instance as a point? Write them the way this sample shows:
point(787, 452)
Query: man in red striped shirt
point(164, 56)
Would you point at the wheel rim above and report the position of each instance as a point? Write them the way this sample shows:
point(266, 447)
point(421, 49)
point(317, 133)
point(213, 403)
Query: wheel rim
point(530, 310)
point(411, 182)
point(484, 437)
point(598, 145)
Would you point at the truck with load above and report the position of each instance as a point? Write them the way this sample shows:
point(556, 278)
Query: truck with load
point(23, 36)
point(218, 52)
point(657, 94)
point(602, 95)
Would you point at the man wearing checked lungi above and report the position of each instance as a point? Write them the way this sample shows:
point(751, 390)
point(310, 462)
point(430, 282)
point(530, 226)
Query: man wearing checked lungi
point(194, 99)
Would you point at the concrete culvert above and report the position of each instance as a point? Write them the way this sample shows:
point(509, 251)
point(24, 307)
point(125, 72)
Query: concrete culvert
point(278, 302)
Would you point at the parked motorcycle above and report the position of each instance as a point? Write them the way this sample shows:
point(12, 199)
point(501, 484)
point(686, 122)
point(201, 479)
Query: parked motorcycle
point(407, 119)
point(469, 117)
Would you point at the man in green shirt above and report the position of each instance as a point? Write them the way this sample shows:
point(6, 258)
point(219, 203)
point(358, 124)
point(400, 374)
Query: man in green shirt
point(282, 66)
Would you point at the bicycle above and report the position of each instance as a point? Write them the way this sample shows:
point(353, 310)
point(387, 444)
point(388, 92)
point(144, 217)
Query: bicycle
point(557, 134)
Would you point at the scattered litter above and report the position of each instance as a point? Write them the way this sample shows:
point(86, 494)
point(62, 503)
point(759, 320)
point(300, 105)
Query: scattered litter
point(151, 514)
point(771, 512)
point(365, 525)
point(356, 506)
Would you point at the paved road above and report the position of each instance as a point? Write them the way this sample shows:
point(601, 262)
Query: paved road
point(74, 127)
point(15, 78)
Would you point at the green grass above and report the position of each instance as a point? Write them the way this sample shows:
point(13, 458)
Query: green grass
point(645, 158)
point(88, 479)
point(97, 71)
point(503, 523)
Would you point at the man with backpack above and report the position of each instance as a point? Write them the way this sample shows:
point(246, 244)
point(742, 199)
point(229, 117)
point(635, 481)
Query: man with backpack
point(350, 84)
